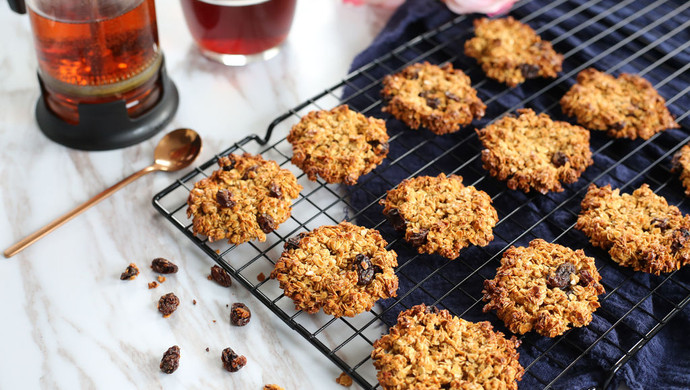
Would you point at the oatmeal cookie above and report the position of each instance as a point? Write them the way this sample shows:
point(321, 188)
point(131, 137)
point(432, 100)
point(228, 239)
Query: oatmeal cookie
point(640, 230)
point(339, 145)
point(439, 98)
point(440, 215)
point(343, 269)
point(511, 52)
point(431, 349)
point(243, 200)
point(545, 287)
point(681, 165)
point(532, 151)
point(626, 107)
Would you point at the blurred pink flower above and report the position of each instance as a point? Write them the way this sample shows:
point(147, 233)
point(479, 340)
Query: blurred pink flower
point(377, 3)
point(489, 7)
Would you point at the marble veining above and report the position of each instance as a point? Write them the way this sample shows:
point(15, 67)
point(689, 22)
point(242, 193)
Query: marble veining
point(66, 320)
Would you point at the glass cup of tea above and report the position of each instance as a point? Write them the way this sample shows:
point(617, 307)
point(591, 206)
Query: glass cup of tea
point(238, 32)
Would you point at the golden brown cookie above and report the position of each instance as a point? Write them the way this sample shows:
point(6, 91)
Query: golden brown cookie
point(532, 151)
point(243, 200)
point(440, 215)
point(511, 52)
point(439, 98)
point(681, 165)
point(640, 230)
point(339, 145)
point(626, 107)
point(545, 287)
point(343, 269)
point(431, 349)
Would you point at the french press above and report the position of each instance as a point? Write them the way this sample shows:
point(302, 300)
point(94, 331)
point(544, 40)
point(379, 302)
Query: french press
point(101, 71)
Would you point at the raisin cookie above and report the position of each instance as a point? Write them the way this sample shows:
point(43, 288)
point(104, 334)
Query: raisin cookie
point(626, 107)
point(544, 287)
point(511, 52)
point(440, 215)
point(339, 145)
point(681, 165)
point(343, 269)
point(640, 230)
point(532, 151)
point(432, 349)
point(439, 98)
point(243, 200)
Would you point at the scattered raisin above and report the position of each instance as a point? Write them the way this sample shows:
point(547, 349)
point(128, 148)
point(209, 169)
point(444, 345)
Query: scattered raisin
point(207, 349)
point(171, 360)
point(224, 199)
point(168, 304)
point(261, 277)
point(231, 361)
point(418, 239)
point(293, 242)
point(240, 314)
point(275, 191)
point(452, 96)
point(130, 273)
point(585, 278)
point(163, 266)
point(559, 159)
point(680, 239)
point(249, 171)
point(365, 271)
point(529, 71)
point(561, 277)
point(221, 277)
point(266, 222)
point(396, 219)
point(193, 301)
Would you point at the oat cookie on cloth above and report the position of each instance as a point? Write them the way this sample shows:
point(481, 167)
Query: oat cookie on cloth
point(625, 107)
point(681, 165)
point(343, 269)
point(640, 230)
point(511, 52)
point(440, 215)
point(544, 287)
point(432, 349)
point(243, 200)
point(532, 151)
point(439, 98)
point(339, 145)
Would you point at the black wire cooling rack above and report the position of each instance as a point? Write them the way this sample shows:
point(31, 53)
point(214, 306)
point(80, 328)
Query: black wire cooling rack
point(615, 37)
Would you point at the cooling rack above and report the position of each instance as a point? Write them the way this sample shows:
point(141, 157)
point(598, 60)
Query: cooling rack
point(649, 39)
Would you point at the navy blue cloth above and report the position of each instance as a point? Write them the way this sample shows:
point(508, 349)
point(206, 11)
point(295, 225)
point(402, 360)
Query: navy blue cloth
point(647, 38)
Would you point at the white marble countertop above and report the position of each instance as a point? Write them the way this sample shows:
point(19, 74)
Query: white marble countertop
point(67, 320)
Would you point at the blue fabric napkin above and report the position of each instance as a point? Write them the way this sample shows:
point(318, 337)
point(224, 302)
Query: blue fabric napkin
point(647, 38)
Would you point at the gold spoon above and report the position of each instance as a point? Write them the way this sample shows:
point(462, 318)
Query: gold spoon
point(177, 150)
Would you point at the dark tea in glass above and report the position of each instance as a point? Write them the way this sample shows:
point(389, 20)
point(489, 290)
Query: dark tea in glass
point(236, 32)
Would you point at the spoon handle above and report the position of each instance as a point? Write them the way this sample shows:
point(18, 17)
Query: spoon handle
point(37, 235)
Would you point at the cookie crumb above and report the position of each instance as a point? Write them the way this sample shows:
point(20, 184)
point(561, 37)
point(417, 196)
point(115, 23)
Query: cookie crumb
point(261, 277)
point(168, 304)
point(344, 380)
point(231, 361)
point(193, 301)
point(273, 387)
point(161, 278)
point(153, 284)
point(130, 273)
point(171, 360)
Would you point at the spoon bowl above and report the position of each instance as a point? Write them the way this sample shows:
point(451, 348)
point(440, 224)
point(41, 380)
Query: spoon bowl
point(175, 151)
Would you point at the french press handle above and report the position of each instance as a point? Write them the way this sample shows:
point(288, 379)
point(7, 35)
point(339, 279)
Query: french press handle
point(18, 6)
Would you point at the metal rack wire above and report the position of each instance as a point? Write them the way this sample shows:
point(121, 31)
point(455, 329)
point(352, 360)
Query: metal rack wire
point(635, 306)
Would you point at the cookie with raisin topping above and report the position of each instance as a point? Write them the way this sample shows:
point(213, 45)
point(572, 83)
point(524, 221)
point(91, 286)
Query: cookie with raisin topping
point(639, 230)
point(440, 215)
point(245, 199)
point(512, 52)
point(339, 145)
point(681, 165)
point(343, 269)
point(545, 287)
point(625, 107)
point(431, 349)
point(534, 152)
point(439, 98)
